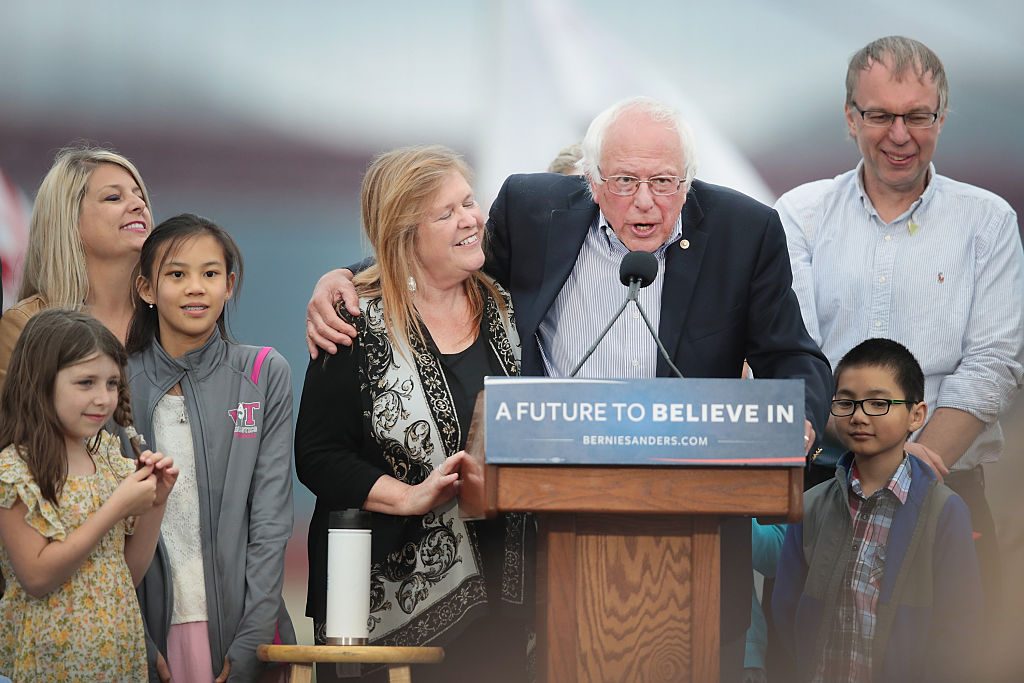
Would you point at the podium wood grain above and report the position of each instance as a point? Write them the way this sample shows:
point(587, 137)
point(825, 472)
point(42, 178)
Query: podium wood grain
point(646, 490)
point(637, 626)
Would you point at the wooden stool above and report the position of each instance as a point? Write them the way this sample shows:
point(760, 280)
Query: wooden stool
point(301, 658)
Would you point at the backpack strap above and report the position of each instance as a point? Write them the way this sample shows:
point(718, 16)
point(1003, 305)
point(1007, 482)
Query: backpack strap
point(257, 365)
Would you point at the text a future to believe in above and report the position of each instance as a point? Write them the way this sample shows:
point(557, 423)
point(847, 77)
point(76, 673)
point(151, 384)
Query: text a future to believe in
point(600, 411)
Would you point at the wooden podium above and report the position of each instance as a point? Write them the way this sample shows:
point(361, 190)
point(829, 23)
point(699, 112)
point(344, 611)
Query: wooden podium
point(628, 558)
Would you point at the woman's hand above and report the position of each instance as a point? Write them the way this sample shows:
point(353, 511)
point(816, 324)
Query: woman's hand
point(164, 472)
point(135, 494)
point(324, 328)
point(438, 488)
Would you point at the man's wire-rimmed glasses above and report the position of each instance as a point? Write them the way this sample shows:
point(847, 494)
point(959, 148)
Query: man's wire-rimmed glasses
point(626, 185)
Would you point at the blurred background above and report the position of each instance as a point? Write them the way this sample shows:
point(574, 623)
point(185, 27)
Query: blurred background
point(263, 116)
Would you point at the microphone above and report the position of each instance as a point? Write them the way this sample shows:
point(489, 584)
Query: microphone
point(638, 265)
point(637, 270)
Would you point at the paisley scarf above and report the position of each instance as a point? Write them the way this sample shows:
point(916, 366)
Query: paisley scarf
point(433, 579)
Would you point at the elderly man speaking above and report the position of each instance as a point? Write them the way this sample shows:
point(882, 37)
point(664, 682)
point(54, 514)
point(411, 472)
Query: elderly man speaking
point(722, 292)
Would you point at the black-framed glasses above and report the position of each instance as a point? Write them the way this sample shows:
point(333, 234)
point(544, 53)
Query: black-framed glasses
point(875, 407)
point(626, 185)
point(877, 118)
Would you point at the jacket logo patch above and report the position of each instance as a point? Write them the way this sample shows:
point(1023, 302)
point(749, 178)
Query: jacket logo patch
point(244, 417)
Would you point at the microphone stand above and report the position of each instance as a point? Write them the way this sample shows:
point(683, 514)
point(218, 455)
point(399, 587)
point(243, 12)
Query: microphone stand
point(657, 339)
point(634, 288)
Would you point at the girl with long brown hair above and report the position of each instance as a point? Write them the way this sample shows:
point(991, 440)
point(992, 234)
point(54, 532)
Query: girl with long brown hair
point(78, 521)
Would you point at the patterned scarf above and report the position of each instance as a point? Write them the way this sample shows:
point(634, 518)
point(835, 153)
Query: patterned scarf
point(432, 580)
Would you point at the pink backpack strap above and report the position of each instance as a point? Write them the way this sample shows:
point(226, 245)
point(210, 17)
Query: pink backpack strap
point(258, 365)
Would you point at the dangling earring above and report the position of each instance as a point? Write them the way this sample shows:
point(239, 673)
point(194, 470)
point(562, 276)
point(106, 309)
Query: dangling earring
point(412, 284)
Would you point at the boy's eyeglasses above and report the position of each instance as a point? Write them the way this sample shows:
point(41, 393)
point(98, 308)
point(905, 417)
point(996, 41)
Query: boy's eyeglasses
point(874, 407)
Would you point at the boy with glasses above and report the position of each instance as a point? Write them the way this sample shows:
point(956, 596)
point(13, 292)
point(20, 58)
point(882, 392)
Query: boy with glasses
point(880, 581)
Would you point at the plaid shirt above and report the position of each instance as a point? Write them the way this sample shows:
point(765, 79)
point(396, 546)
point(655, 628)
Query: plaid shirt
point(847, 655)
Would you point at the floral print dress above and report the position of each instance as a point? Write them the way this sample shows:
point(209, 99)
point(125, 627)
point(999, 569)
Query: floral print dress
point(90, 628)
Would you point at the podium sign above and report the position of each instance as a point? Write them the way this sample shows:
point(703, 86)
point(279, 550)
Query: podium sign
point(664, 421)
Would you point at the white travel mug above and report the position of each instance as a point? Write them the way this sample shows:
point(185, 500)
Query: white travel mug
point(348, 578)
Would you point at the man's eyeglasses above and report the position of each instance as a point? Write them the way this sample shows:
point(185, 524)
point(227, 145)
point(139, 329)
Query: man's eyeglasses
point(626, 185)
point(875, 407)
point(883, 119)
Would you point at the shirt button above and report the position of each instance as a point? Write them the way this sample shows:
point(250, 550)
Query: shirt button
point(853, 546)
point(888, 238)
point(878, 323)
point(636, 314)
point(881, 279)
point(636, 363)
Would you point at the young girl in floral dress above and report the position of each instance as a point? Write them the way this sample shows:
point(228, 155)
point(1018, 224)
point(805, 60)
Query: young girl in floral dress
point(78, 521)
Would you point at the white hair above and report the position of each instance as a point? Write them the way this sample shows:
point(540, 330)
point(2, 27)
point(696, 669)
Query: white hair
point(593, 141)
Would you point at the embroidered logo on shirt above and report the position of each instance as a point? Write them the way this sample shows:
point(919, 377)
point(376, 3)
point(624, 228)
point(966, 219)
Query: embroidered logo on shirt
point(244, 417)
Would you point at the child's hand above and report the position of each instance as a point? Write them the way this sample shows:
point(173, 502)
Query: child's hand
point(225, 672)
point(136, 493)
point(162, 671)
point(164, 472)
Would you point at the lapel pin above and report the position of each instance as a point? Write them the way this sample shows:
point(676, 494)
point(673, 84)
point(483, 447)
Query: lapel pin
point(684, 244)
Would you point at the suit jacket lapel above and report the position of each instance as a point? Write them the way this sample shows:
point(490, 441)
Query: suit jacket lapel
point(565, 234)
point(682, 266)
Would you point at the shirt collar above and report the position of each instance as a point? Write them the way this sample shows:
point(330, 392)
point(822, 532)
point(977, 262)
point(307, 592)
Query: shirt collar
point(923, 200)
point(615, 245)
point(898, 486)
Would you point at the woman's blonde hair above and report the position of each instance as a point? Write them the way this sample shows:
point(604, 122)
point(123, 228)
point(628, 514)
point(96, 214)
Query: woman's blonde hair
point(397, 189)
point(55, 257)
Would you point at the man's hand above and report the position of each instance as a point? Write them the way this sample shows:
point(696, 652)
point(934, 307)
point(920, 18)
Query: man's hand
point(930, 458)
point(324, 328)
point(808, 436)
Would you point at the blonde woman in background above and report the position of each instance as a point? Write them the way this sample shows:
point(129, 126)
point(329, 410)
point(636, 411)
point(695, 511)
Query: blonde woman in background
point(90, 218)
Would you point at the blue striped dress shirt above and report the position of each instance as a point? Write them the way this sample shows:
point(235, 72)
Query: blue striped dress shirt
point(587, 302)
point(945, 279)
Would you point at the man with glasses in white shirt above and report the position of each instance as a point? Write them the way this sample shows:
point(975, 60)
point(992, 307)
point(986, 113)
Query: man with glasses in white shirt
point(892, 249)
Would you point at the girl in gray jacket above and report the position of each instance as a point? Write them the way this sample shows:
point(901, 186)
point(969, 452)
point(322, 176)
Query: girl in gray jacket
point(224, 411)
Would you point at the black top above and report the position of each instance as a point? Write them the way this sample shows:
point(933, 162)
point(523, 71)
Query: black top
point(465, 372)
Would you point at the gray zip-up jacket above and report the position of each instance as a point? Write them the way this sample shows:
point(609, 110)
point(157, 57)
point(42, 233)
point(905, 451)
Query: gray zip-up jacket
point(239, 404)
